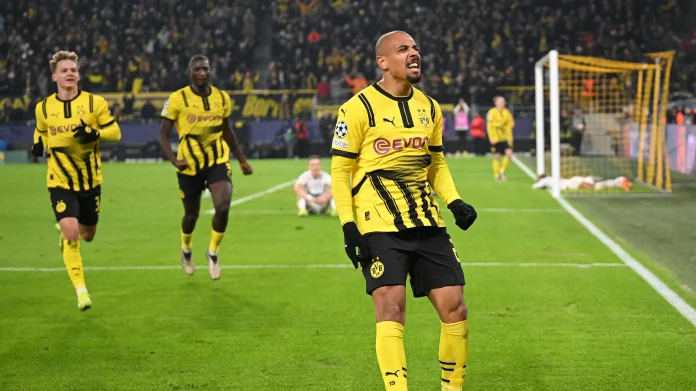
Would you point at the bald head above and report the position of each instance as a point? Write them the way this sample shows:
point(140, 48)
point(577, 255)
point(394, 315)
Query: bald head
point(387, 40)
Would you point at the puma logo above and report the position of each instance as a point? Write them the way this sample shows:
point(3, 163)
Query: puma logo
point(344, 112)
point(395, 373)
point(391, 122)
point(54, 115)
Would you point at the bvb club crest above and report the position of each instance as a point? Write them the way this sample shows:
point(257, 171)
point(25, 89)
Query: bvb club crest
point(80, 110)
point(377, 268)
point(60, 206)
point(423, 118)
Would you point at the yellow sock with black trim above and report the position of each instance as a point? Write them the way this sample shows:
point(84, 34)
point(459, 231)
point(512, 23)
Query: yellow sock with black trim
point(391, 355)
point(454, 352)
point(186, 241)
point(506, 163)
point(496, 167)
point(73, 264)
point(215, 240)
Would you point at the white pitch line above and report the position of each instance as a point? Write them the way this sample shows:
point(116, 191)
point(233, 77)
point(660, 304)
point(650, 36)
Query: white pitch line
point(307, 266)
point(257, 195)
point(660, 287)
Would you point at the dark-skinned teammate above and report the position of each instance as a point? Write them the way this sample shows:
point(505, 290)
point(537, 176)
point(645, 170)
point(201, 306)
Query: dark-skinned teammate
point(389, 139)
point(201, 113)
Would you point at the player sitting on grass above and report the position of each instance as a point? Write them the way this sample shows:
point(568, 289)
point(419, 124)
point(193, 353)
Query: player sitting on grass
point(584, 183)
point(313, 189)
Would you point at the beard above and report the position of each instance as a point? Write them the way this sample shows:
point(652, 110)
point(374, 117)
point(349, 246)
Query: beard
point(414, 79)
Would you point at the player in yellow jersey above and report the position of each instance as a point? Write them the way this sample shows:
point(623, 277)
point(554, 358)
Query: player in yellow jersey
point(200, 113)
point(69, 126)
point(388, 140)
point(499, 124)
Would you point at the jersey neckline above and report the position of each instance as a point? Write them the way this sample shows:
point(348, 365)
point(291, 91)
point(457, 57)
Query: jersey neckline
point(79, 92)
point(202, 96)
point(392, 97)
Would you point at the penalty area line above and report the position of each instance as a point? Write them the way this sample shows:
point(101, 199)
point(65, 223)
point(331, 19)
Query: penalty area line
point(256, 195)
point(307, 266)
point(686, 310)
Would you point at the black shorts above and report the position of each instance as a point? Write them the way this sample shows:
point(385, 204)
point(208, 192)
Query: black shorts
point(500, 147)
point(191, 186)
point(427, 254)
point(83, 205)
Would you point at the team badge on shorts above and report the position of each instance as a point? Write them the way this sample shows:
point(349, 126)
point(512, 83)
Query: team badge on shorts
point(341, 129)
point(377, 268)
point(60, 206)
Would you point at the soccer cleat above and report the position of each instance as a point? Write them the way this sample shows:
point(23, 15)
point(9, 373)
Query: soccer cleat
point(502, 176)
point(303, 213)
point(84, 302)
point(213, 266)
point(187, 262)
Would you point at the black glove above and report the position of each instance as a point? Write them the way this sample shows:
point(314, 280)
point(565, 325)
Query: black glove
point(85, 133)
point(355, 244)
point(38, 148)
point(464, 214)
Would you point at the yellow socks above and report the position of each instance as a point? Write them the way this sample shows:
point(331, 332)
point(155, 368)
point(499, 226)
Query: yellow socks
point(391, 355)
point(215, 239)
point(506, 163)
point(186, 241)
point(496, 167)
point(73, 264)
point(454, 347)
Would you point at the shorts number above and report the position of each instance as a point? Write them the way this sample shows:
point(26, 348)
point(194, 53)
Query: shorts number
point(97, 200)
point(454, 250)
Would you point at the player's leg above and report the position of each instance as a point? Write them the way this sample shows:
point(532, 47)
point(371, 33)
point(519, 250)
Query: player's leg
point(190, 188)
point(496, 161)
point(385, 278)
point(220, 185)
point(437, 274)
point(90, 206)
point(66, 206)
point(506, 161)
point(302, 207)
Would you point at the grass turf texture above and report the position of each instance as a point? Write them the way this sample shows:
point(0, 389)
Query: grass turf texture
point(542, 327)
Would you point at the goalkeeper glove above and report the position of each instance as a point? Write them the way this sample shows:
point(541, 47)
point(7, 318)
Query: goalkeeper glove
point(85, 134)
point(355, 244)
point(464, 214)
point(38, 148)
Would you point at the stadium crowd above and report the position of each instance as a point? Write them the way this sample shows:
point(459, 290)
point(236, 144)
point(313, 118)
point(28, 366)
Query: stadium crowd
point(470, 47)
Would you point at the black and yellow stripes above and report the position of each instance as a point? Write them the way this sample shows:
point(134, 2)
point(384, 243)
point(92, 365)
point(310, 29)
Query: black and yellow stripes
point(203, 156)
point(432, 108)
point(368, 107)
point(405, 112)
point(80, 171)
point(411, 202)
point(388, 200)
point(43, 108)
point(206, 104)
point(91, 103)
point(183, 96)
point(67, 110)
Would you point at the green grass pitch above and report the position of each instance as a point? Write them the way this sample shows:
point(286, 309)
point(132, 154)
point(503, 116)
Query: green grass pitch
point(297, 317)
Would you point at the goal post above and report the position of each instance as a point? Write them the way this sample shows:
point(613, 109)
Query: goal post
point(605, 119)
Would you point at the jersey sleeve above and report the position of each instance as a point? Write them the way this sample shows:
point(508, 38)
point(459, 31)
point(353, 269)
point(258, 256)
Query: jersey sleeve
point(492, 126)
point(509, 126)
point(40, 114)
point(351, 126)
point(439, 175)
point(170, 110)
point(226, 104)
point(101, 109)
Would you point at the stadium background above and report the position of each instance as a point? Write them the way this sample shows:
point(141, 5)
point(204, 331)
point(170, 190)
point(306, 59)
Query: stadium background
point(288, 61)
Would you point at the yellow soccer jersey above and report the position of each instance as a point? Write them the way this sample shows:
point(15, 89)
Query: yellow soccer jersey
point(392, 146)
point(499, 124)
point(198, 120)
point(72, 165)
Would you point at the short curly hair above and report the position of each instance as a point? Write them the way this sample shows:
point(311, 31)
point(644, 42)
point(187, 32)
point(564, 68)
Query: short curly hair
point(60, 56)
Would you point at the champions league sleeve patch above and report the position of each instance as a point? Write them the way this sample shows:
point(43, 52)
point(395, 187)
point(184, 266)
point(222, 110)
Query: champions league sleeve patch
point(341, 129)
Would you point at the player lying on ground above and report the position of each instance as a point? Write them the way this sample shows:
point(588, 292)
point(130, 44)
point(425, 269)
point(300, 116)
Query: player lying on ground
point(313, 189)
point(69, 126)
point(584, 183)
point(389, 137)
point(499, 124)
point(200, 112)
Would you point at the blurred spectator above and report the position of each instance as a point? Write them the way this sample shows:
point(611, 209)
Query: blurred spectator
point(478, 133)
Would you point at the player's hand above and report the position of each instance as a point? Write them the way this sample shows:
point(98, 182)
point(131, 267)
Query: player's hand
point(355, 244)
point(38, 148)
point(246, 168)
point(464, 214)
point(180, 164)
point(85, 134)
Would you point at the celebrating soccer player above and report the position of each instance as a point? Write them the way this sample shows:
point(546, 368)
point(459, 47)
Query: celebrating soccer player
point(389, 137)
point(499, 124)
point(200, 113)
point(69, 126)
